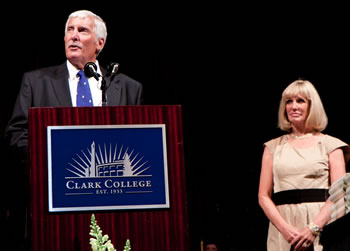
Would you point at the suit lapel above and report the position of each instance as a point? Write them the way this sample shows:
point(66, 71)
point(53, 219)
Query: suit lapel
point(113, 90)
point(113, 93)
point(60, 85)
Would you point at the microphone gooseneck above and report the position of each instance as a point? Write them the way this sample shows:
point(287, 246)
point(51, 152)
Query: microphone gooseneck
point(90, 70)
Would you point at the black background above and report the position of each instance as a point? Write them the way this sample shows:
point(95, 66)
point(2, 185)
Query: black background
point(226, 65)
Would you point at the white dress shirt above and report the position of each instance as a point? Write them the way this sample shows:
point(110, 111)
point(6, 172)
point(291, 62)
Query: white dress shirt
point(95, 85)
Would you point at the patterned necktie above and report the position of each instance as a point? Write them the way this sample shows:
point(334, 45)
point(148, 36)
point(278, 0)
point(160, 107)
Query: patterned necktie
point(84, 97)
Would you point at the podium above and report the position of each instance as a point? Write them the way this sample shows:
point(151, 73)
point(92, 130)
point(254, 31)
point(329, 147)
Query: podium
point(147, 229)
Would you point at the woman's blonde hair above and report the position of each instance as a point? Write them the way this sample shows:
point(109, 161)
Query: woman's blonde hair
point(317, 119)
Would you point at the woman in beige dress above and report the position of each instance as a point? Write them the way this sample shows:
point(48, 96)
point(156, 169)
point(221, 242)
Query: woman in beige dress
point(297, 170)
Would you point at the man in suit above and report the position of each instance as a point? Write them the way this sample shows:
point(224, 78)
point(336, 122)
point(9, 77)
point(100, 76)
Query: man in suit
point(85, 37)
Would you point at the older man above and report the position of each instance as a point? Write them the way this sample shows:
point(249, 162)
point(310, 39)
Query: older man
point(85, 37)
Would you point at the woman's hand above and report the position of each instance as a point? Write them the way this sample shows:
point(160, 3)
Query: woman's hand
point(304, 240)
point(291, 234)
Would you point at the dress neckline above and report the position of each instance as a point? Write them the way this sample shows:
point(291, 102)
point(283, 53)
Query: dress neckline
point(317, 141)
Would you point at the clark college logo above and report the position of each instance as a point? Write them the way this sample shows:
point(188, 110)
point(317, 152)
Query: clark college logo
point(107, 167)
point(107, 162)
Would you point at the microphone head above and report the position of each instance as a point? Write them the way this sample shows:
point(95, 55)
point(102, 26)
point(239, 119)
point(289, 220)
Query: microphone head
point(112, 69)
point(90, 70)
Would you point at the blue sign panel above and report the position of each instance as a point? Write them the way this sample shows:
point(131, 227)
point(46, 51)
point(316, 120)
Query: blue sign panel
point(107, 167)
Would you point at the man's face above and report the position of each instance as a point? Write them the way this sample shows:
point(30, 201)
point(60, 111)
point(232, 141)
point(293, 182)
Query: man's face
point(211, 247)
point(80, 41)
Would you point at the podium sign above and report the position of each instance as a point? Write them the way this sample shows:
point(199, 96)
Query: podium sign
point(107, 157)
point(107, 167)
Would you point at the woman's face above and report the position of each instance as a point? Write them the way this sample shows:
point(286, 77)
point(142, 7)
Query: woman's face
point(297, 109)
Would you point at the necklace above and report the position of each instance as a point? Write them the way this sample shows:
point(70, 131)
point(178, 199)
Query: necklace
point(302, 136)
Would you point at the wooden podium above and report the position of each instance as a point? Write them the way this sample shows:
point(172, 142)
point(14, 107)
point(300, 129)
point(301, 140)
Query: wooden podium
point(147, 229)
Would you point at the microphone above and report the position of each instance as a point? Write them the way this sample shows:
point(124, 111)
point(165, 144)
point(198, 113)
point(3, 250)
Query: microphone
point(112, 69)
point(90, 70)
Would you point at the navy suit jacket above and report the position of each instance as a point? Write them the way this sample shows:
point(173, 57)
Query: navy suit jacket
point(49, 87)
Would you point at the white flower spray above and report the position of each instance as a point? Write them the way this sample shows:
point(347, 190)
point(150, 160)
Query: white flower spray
point(100, 242)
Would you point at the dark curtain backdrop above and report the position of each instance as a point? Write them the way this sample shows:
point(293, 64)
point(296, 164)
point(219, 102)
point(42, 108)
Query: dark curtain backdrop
point(225, 65)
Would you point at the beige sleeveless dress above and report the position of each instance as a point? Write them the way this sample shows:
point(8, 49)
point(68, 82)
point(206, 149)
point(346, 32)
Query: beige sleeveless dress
point(300, 168)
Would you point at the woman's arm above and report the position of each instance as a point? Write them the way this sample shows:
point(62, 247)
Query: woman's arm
point(289, 232)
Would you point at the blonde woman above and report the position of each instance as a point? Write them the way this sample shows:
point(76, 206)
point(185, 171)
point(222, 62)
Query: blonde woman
point(297, 170)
